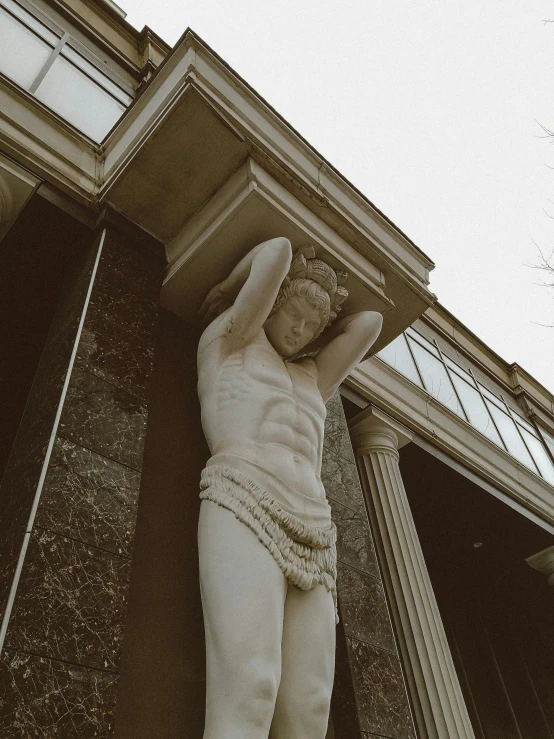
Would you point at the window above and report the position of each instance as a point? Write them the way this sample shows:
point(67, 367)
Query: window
point(435, 376)
point(417, 358)
point(398, 356)
point(45, 62)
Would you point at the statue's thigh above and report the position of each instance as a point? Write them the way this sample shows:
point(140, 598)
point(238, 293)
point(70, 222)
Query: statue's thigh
point(308, 646)
point(243, 592)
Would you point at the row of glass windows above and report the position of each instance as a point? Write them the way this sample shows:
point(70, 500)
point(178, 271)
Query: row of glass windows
point(422, 362)
point(45, 63)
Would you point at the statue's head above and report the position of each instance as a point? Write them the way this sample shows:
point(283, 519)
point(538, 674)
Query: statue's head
point(308, 301)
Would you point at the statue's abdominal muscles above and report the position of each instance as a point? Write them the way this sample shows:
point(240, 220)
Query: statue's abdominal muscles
point(267, 417)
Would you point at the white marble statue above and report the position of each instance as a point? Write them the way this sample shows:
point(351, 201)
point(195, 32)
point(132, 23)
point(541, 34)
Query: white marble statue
point(266, 540)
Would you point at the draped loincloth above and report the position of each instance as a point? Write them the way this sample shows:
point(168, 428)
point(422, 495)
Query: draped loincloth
point(305, 554)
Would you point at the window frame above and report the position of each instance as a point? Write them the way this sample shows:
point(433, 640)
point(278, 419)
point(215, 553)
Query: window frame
point(32, 18)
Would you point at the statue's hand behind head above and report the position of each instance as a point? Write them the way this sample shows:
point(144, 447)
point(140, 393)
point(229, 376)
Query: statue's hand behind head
point(215, 303)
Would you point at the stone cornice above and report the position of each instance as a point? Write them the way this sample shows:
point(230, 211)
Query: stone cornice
point(273, 142)
point(422, 414)
point(263, 125)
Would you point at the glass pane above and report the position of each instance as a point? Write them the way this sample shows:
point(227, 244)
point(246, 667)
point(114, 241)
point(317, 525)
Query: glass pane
point(435, 378)
point(33, 23)
point(23, 54)
point(459, 370)
point(423, 341)
point(79, 100)
point(397, 355)
point(525, 423)
point(493, 398)
point(509, 432)
point(546, 468)
point(475, 408)
point(96, 75)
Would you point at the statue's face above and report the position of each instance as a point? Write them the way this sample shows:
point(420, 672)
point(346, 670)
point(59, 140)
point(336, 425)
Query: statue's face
point(293, 325)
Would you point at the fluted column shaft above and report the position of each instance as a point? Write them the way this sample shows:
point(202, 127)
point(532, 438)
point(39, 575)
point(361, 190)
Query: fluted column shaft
point(438, 700)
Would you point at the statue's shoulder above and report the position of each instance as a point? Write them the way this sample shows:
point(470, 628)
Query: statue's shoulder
point(217, 340)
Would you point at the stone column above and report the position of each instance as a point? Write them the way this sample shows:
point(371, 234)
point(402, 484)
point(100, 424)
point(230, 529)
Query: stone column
point(543, 562)
point(438, 701)
point(370, 698)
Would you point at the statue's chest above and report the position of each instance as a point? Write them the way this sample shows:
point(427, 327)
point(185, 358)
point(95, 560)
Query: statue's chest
point(260, 372)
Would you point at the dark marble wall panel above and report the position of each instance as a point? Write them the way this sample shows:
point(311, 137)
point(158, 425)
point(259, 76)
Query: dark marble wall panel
point(88, 497)
point(162, 683)
point(344, 711)
point(363, 608)
point(45, 699)
point(26, 458)
point(368, 676)
point(380, 691)
point(104, 418)
point(65, 631)
point(115, 355)
point(19, 486)
point(334, 405)
point(9, 554)
point(130, 267)
point(125, 305)
point(341, 482)
point(70, 602)
point(337, 439)
point(119, 330)
point(354, 543)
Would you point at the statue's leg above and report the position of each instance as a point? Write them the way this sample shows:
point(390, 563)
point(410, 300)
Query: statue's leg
point(243, 597)
point(308, 665)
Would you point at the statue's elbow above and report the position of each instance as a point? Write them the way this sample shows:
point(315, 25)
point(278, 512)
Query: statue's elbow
point(370, 321)
point(282, 247)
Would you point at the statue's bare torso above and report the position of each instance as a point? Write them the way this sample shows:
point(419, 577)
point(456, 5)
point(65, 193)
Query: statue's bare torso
point(264, 411)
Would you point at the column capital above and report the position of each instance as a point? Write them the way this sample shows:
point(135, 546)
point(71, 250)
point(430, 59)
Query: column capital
point(373, 430)
point(543, 561)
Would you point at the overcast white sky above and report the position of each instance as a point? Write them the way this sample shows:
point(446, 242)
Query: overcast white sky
point(432, 109)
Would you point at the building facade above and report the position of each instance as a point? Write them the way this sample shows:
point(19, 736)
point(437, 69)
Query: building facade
point(133, 176)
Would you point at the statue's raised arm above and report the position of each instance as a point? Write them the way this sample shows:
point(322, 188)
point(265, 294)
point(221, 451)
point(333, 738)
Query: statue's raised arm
point(243, 301)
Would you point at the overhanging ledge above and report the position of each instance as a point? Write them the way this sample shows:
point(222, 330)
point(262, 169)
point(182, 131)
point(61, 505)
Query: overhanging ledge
point(195, 128)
